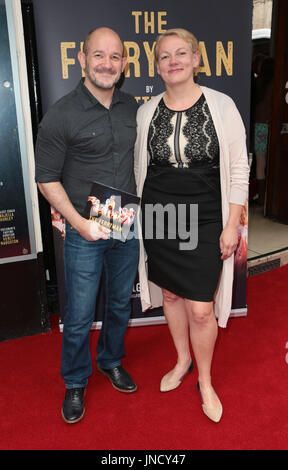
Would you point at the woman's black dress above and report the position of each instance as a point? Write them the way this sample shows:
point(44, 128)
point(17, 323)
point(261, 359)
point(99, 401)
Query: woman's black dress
point(183, 177)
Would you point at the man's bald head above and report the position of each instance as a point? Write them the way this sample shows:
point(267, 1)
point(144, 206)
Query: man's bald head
point(100, 32)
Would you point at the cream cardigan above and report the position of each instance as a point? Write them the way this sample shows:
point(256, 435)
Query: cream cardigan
point(234, 176)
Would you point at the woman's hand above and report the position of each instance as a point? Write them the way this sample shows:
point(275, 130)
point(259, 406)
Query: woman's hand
point(228, 241)
point(229, 236)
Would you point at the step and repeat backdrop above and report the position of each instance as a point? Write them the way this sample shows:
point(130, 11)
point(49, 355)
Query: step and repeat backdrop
point(223, 29)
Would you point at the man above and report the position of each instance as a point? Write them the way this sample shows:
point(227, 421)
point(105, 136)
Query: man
point(89, 135)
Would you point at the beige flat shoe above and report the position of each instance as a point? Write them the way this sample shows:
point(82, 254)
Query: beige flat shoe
point(167, 384)
point(213, 413)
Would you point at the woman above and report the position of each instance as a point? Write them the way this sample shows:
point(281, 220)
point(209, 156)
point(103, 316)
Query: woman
point(190, 149)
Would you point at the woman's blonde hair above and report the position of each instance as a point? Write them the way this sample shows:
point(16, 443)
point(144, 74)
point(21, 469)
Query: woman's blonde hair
point(181, 33)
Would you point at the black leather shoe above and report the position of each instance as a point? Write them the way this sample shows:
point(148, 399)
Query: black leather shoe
point(120, 379)
point(73, 406)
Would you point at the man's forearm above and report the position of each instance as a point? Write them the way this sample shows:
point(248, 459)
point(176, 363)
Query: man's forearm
point(58, 198)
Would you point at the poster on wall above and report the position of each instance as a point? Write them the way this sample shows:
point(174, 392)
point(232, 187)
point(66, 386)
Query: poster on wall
point(16, 242)
point(225, 46)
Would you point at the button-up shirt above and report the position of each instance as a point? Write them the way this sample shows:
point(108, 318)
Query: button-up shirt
point(80, 141)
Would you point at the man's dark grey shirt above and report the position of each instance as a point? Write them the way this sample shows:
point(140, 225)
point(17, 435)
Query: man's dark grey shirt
point(80, 141)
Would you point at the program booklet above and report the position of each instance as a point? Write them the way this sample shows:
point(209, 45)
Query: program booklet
point(112, 208)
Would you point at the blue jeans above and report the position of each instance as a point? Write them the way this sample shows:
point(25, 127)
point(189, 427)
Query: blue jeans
point(84, 262)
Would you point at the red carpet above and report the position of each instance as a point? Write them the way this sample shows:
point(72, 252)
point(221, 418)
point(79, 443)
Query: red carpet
point(250, 375)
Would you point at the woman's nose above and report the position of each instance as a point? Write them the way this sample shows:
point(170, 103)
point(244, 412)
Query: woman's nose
point(173, 59)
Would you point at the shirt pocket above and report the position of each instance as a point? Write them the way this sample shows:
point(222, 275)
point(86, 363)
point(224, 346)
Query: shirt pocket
point(93, 141)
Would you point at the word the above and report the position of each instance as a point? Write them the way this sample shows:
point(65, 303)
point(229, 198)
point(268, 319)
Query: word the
point(148, 20)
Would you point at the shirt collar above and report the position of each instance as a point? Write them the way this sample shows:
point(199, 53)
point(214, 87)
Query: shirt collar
point(88, 100)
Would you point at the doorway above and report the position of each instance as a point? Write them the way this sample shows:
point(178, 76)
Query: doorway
point(268, 227)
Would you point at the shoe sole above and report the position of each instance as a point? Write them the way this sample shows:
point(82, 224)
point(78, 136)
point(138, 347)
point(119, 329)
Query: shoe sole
point(117, 388)
point(75, 420)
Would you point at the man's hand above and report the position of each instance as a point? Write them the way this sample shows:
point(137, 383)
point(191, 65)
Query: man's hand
point(57, 197)
point(92, 231)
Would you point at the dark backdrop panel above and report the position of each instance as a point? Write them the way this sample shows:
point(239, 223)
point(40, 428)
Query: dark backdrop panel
point(211, 21)
point(222, 27)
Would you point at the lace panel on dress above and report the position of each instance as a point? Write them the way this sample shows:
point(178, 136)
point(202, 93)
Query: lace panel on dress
point(183, 139)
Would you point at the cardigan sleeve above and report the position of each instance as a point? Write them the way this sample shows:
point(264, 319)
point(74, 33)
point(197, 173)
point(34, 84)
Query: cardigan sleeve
point(138, 150)
point(238, 158)
point(144, 116)
point(136, 154)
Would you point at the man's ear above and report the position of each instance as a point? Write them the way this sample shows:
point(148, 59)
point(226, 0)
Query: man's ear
point(124, 63)
point(82, 60)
